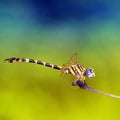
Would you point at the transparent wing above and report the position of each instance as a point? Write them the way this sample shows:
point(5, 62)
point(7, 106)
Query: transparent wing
point(73, 60)
point(100, 92)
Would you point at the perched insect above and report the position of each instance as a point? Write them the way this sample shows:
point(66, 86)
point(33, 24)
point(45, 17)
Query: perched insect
point(71, 67)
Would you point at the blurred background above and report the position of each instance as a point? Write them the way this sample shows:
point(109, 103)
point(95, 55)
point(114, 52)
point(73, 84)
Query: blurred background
point(52, 31)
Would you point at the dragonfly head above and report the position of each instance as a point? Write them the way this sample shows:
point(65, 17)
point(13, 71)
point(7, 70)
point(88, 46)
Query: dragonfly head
point(90, 73)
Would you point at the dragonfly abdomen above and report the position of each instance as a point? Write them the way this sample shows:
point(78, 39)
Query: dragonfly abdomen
point(12, 60)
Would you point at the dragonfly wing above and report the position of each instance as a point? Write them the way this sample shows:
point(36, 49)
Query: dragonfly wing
point(73, 60)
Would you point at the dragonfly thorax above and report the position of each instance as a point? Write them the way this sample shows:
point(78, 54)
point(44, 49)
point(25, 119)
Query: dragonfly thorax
point(76, 70)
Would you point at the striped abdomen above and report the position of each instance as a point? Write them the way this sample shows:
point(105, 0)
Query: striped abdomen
point(12, 60)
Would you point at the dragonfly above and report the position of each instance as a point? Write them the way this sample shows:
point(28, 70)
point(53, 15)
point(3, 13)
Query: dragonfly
point(71, 67)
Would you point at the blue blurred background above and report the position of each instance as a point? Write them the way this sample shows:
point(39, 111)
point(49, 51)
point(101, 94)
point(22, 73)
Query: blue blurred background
point(53, 31)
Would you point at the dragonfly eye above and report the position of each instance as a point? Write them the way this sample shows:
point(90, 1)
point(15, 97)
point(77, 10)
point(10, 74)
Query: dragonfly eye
point(89, 73)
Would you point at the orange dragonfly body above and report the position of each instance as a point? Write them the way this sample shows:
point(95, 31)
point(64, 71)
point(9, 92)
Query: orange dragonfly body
point(71, 67)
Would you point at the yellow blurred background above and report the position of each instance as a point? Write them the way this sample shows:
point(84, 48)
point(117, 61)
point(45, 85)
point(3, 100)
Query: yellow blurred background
point(33, 92)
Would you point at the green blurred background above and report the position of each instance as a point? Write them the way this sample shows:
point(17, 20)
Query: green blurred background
point(53, 31)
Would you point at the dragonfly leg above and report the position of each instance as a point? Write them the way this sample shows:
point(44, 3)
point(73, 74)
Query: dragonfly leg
point(74, 83)
point(81, 84)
